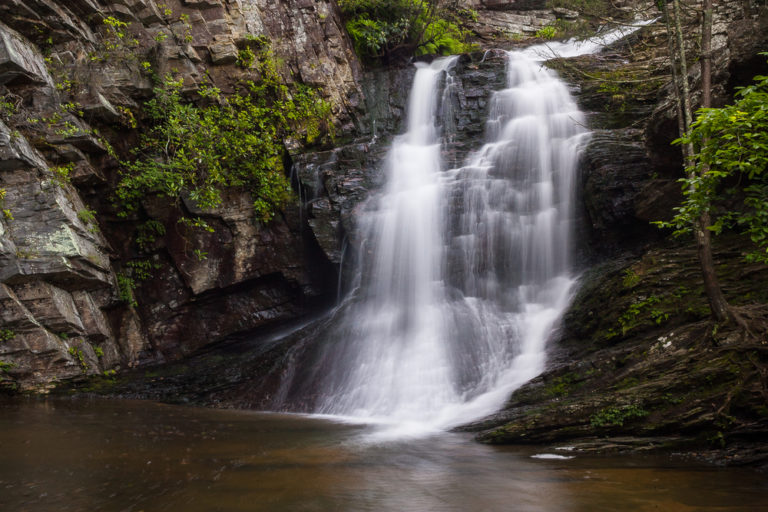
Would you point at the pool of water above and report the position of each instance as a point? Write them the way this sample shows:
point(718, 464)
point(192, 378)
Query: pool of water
point(130, 456)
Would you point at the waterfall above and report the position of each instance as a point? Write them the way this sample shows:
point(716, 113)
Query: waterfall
point(394, 361)
point(465, 271)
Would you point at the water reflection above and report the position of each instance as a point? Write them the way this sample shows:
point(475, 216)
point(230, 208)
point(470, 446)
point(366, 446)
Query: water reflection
point(60, 455)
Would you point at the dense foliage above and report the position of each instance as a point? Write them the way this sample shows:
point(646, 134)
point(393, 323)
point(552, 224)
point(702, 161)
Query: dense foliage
point(730, 174)
point(382, 29)
point(198, 149)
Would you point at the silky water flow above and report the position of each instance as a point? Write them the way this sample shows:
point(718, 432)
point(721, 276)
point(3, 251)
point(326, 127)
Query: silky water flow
point(464, 272)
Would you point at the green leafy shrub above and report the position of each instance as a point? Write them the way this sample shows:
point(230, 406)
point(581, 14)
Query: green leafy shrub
point(560, 386)
point(198, 149)
point(9, 106)
point(147, 233)
point(382, 29)
point(5, 211)
point(62, 174)
point(117, 43)
point(78, 354)
point(729, 177)
point(125, 286)
point(369, 37)
point(631, 278)
point(548, 32)
point(653, 310)
point(142, 269)
point(245, 58)
point(443, 37)
point(88, 217)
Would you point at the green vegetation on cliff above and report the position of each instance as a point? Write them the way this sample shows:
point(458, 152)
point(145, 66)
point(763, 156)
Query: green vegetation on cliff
point(729, 176)
point(382, 29)
point(197, 150)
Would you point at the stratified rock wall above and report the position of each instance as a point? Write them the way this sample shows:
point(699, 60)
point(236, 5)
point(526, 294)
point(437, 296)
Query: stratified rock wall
point(67, 303)
point(631, 170)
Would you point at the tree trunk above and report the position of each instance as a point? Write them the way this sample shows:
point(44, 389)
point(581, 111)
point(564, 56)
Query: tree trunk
point(717, 303)
point(720, 308)
point(675, 75)
point(706, 55)
point(685, 88)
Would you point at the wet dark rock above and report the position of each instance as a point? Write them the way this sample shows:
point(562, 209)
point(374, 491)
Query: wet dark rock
point(520, 5)
point(333, 185)
point(618, 193)
point(639, 358)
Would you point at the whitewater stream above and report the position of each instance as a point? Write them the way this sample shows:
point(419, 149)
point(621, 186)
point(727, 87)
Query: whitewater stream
point(465, 272)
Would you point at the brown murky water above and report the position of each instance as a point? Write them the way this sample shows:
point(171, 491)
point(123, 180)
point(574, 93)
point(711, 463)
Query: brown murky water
point(130, 456)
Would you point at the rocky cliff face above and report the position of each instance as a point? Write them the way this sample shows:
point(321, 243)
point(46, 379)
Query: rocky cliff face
point(261, 371)
point(639, 364)
point(69, 86)
point(79, 295)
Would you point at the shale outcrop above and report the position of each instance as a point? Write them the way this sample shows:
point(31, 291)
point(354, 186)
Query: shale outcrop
point(70, 86)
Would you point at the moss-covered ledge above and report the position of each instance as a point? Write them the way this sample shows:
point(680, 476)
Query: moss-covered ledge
point(641, 366)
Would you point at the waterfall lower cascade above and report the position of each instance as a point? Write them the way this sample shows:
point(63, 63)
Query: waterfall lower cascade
point(464, 271)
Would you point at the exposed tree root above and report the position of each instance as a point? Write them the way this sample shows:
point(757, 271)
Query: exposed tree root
point(752, 320)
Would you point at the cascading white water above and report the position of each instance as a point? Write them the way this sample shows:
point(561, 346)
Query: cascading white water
point(395, 362)
point(465, 271)
point(510, 233)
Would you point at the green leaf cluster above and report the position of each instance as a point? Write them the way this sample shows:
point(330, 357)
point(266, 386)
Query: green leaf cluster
point(147, 233)
point(8, 107)
point(117, 42)
point(245, 58)
point(547, 32)
point(729, 176)
point(125, 286)
point(6, 212)
point(443, 37)
point(196, 148)
point(78, 354)
point(381, 29)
